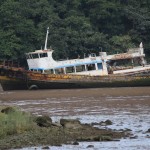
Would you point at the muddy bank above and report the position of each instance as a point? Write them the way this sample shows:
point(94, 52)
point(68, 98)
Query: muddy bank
point(56, 136)
point(46, 132)
point(99, 92)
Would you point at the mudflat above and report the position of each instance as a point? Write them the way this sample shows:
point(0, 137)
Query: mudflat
point(127, 108)
point(78, 101)
point(59, 93)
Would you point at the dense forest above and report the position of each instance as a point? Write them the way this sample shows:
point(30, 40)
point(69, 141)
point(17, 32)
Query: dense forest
point(76, 27)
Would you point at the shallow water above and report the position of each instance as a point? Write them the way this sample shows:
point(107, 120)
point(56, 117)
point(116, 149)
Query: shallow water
point(125, 111)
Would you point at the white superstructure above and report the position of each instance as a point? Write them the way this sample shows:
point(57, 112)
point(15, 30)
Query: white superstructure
point(42, 60)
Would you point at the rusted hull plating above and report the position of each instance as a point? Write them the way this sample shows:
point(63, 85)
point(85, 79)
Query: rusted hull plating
point(22, 80)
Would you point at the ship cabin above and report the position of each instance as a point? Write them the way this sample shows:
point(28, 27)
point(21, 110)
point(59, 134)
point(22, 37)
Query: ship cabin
point(42, 61)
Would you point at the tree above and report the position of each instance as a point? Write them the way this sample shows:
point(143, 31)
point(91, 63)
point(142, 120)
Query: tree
point(76, 27)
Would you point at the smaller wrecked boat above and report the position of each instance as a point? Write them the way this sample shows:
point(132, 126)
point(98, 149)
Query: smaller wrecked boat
point(124, 69)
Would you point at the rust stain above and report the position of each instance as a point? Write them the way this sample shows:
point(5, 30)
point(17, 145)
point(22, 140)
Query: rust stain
point(39, 76)
point(122, 56)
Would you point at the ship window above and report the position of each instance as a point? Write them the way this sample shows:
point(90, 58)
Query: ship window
point(40, 70)
point(35, 56)
point(59, 71)
point(91, 67)
point(43, 55)
point(70, 70)
point(99, 65)
point(30, 56)
point(92, 55)
point(80, 68)
point(49, 71)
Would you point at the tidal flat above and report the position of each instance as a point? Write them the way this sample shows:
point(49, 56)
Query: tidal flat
point(127, 108)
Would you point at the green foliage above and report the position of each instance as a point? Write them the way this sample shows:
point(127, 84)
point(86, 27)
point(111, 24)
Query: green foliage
point(76, 27)
point(121, 43)
point(15, 122)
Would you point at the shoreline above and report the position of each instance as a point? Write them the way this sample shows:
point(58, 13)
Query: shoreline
point(64, 93)
point(26, 130)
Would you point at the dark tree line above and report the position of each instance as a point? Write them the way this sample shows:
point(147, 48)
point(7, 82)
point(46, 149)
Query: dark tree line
point(76, 27)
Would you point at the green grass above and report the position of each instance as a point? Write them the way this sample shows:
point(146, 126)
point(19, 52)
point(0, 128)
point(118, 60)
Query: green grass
point(15, 122)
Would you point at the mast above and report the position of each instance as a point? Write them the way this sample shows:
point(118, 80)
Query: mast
point(45, 48)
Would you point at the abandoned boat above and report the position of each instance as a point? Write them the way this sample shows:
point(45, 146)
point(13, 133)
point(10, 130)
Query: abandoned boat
point(90, 72)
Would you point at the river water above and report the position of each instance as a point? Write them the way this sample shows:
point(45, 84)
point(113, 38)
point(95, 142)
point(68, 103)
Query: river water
point(127, 108)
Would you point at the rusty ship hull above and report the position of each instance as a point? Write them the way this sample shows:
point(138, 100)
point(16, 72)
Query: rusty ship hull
point(74, 82)
point(40, 84)
point(12, 84)
point(19, 79)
